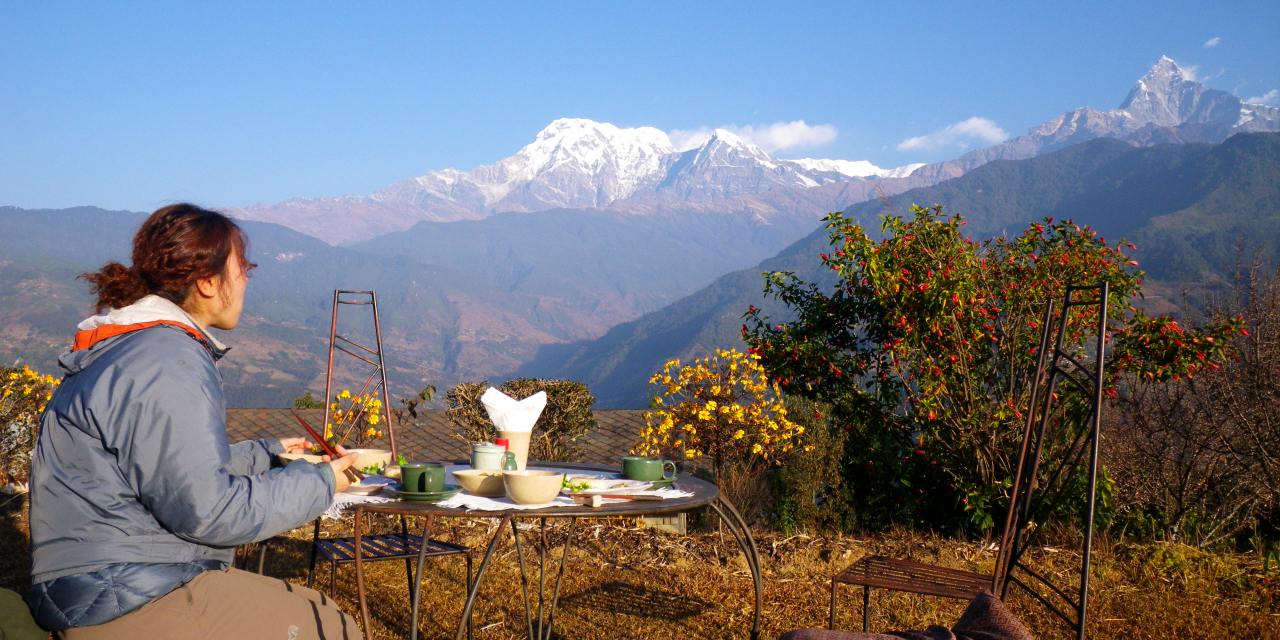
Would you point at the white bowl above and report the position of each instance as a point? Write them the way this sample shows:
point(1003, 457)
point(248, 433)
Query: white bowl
point(290, 457)
point(532, 486)
point(370, 457)
point(364, 457)
point(481, 482)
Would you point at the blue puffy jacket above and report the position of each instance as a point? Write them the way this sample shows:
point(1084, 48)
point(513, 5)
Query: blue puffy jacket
point(134, 488)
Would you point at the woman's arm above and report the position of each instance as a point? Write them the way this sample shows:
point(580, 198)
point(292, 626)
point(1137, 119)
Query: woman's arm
point(253, 456)
point(177, 459)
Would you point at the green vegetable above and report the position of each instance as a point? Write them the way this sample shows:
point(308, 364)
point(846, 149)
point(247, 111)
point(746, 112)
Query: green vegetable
point(401, 460)
point(373, 469)
point(574, 486)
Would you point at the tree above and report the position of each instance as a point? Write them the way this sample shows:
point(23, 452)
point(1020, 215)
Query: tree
point(307, 401)
point(925, 349)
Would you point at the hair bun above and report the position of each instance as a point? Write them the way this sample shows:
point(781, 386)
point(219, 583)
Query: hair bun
point(116, 285)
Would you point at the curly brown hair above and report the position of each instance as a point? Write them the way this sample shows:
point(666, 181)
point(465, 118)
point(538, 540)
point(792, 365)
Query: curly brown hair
point(175, 247)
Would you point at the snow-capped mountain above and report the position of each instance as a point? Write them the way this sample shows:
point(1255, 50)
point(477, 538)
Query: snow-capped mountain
point(572, 163)
point(1164, 106)
point(1167, 97)
point(575, 163)
point(855, 168)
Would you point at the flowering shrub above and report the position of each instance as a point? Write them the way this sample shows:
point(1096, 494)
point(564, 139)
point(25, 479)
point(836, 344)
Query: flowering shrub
point(24, 392)
point(357, 417)
point(925, 349)
point(720, 410)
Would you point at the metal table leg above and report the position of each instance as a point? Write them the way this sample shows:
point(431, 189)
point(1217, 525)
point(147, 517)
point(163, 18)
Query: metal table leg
point(555, 595)
point(364, 605)
point(544, 622)
point(524, 581)
point(415, 588)
point(742, 533)
point(475, 584)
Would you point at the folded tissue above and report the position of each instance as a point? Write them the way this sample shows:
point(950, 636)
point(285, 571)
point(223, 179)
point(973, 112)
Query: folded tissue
point(514, 419)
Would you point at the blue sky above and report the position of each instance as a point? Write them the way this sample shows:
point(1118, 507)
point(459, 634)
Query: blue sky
point(132, 105)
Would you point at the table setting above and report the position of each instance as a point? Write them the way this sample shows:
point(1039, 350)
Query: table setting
point(499, 481)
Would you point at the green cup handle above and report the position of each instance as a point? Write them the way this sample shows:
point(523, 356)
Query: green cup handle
point(667, 464)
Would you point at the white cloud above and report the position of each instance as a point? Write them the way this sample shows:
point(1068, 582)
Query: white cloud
point(960, 134)
point(685, 139)
point(1212, 42)
point(1271, 97)
point(779, 136)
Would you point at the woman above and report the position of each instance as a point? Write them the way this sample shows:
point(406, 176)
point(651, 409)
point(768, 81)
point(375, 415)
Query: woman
point(137, 501)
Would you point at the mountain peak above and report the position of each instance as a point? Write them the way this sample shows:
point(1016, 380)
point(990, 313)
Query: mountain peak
point(1167, 70)
point(1165, 96)
point(728, 137)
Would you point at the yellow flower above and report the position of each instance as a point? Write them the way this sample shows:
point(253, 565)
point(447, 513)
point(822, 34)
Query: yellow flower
point(689, 453)
point(346, 394)
point(739, 434)
point(756, 448)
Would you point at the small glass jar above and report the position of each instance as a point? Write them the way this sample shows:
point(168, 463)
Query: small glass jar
point(486, 455)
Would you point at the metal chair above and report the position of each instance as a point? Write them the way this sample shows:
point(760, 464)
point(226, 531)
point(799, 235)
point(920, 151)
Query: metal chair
point(1071, 439)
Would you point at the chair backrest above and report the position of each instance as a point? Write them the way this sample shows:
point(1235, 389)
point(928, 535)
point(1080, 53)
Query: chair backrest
point(1061, 431)
point(368, 361)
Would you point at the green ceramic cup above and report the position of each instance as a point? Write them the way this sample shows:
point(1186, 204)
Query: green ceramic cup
point(422, 477)
point(647, 469)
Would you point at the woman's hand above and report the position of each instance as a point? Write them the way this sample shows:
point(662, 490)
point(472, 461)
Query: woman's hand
point(294, 445)
point(340, 466)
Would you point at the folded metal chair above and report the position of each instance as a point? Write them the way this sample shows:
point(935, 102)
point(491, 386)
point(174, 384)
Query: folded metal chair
point(1071, 445)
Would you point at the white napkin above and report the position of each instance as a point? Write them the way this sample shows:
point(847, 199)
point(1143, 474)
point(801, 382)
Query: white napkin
point(509, 414)
point(469, 502)
point(343, 501)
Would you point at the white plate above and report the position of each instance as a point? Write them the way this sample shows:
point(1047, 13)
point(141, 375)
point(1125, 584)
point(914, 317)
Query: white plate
point(606, 486)
point(364, 489)
point(370, 485)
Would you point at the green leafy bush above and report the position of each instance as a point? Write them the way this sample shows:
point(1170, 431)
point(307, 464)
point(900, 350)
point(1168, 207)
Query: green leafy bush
point(807, 486)
point(566, 418)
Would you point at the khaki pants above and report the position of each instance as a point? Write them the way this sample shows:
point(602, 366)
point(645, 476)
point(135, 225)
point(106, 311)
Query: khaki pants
point(230, 604)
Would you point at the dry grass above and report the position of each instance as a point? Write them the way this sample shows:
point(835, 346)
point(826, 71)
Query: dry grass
point(626, 582)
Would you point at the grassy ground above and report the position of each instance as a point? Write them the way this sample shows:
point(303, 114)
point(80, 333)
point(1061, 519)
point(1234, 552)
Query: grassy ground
point(627, 582)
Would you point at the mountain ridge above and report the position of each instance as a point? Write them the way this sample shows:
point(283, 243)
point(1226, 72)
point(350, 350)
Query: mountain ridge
point(1189, 207)
point(576, 163)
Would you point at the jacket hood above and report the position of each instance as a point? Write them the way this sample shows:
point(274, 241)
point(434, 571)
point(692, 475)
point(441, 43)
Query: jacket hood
point(94, 334)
